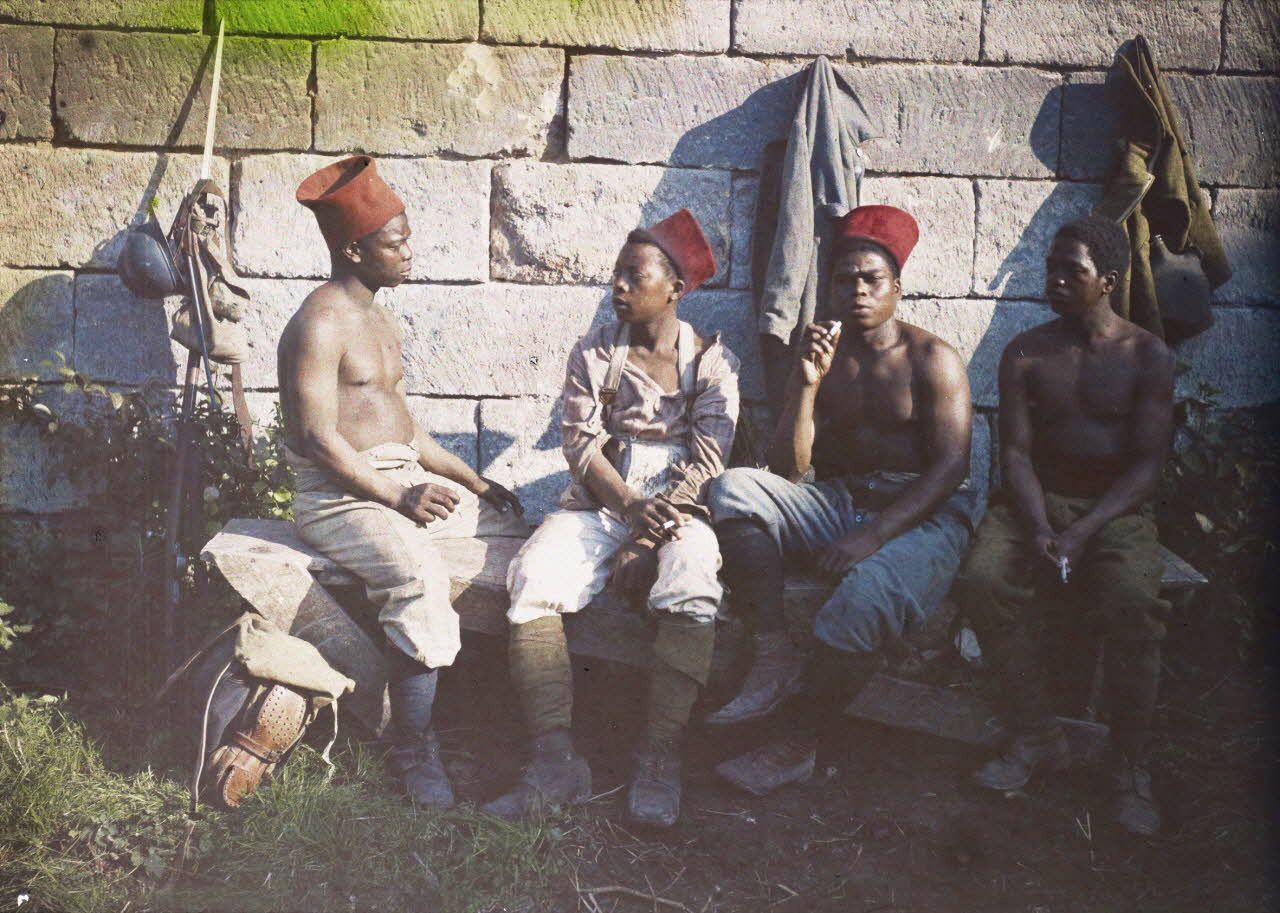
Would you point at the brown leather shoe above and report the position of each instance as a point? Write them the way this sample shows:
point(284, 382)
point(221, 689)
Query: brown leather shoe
point(776, 670)
point(653, 796)
point(788, 760)
point(1025, 753)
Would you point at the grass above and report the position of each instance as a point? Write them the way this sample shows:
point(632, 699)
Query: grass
point(75, 836)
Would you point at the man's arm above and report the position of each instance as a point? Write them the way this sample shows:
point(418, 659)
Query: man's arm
point(313, 378)
point(947, 420)
point(1020, 477)
point(434, 458)
point(791, 448)
point(1152, 433)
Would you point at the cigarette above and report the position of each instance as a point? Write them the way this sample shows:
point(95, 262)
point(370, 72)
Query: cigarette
point(1064, 566)
point(668, 524)
point(834, 328)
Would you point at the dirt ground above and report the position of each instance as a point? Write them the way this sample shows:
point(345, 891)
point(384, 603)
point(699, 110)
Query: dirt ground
point(889, 823)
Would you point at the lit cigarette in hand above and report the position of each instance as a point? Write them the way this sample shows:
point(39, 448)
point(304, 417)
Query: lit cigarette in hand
point(668, 524)
point(1064, 567)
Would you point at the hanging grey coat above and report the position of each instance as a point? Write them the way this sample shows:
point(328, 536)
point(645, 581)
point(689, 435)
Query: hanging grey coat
point(818, 179)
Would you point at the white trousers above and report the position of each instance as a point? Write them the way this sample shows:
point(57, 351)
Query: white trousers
point(567, 562)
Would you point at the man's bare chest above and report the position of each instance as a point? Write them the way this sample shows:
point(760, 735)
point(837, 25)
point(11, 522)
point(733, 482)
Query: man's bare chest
point(1097, 385)
point(860, 394)
point(373, 355)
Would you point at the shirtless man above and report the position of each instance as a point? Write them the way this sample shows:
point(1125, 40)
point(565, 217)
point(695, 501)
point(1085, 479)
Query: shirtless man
point(1086, 418)
point(374, 490)
point(880, 410)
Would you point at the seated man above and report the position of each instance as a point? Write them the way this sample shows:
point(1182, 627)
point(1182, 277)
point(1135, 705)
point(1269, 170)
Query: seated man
point(649, 413)
point(374, 489)
point(1086, 413)
point(880, 409)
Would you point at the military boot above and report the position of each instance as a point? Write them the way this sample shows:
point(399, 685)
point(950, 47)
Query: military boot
point(414, 759)
point(790, 759)
point(776, 672)
point(1025, 753)
point(1133, 805)
point(554, 775)
point(653, 795)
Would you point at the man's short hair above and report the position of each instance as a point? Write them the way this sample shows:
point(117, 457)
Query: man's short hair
point(849, 245)
point(1103, 238)
point(640, 236)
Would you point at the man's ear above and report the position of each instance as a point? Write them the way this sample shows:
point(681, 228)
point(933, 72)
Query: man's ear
point(351, 250)
point(1110, 280)
point(677, 289)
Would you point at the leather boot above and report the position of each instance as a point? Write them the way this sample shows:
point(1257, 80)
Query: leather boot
point(1026, 752)
point(1131, 682)
point(790, 759)
point(1133, 805)
point(653, 795)
point(776, 672)
point(414, 759)
point(554, 775)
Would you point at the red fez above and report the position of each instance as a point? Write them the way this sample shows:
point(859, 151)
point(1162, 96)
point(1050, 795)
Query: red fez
point(680, 237)
point(890, 227)
point(349, 200)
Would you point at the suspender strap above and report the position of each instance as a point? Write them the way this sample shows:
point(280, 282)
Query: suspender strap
point(686, 364)
point(613, 377)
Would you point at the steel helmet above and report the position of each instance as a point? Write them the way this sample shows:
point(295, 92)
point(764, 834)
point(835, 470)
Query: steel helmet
point(147, 264)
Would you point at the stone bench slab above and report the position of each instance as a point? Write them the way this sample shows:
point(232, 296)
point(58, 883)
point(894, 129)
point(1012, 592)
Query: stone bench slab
point(285, 580)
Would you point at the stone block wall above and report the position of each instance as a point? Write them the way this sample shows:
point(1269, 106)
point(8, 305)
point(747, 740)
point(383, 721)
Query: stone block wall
point(528, 136)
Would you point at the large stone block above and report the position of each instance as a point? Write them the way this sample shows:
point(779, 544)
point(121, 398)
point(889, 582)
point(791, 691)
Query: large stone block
point(178, 15)
point(71, 207)
point(1016, 222)
point(742, 216)
point(425, 99)
point(1088, 127)
point(274, 302)
point(497, 339)
point(1233, 126)
point(942, 262)
point(566, 223)
point(520, 448)
point(982, 121)
point(655, 25)
point(26, 77)
point(437, 20)
point(447, 204)
point(140, 89)
point(1183, 34)
point(454, 424)
point(731, 314)
point(36, 319)
point(1252, 32)
point(879, 29)
point(1237, 356)
point(29, 479)
point(121, 338)
point(1249, 224)
point(700, 111)
point(979, 330)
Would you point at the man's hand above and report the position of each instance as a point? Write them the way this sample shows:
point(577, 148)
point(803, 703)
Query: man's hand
point(1070, 545)
point(426, 503)
point(1044, 546)
point(635, 567)
point(817, 350)
point(836, 559)
point(501, 498)
point(655, 518)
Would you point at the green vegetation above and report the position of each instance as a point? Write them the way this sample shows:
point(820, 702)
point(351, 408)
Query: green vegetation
point(76, 836)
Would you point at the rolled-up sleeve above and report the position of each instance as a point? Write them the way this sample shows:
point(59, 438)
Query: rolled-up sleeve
point(714, 417)
point(582, 431)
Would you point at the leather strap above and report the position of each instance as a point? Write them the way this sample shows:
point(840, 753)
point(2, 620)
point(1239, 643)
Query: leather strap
point(241, 405)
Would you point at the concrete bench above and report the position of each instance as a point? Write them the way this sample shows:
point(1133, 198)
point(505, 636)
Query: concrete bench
point(292, 585)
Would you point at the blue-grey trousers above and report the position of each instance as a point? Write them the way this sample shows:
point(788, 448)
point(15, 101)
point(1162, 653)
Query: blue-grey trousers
point(900, 585)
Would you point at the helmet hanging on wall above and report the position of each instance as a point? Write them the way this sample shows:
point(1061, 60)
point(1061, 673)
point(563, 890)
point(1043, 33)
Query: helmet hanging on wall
point(147, 264)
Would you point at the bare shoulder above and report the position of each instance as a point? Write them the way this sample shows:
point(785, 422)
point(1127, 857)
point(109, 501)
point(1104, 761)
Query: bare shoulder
point(1150, 348)
point(930, 352)
point(319, 320)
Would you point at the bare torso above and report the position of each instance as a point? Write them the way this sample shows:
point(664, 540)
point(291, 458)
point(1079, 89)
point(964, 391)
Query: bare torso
point(1081, 403)
point(869, 408)
point(371, 405)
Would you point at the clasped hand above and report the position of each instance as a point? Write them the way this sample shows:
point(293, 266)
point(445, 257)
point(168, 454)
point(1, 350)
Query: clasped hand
point(836, 559)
